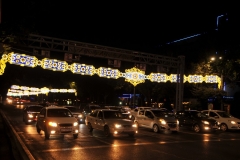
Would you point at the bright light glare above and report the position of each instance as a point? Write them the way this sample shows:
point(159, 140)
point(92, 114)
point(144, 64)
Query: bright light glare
point(117, 125)
point(205, 122)
point(75, 123)
point(53, 124)
point(233, 122)
point(163, 121)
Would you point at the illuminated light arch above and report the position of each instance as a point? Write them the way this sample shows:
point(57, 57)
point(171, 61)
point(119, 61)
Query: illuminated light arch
point(16, 90)
point(134, 75)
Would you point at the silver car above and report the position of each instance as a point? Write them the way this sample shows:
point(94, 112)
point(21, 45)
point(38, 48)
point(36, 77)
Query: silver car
point(157, 120)
point(57, 121)
point(112, 122)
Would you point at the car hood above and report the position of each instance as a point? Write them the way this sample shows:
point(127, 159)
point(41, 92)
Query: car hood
point(62, 119)
point(168, 119)
point(211, 120)
point(119, 121)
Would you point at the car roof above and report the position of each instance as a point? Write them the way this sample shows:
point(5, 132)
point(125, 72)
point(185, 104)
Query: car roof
point(214, 110)
point(106, 110)
point(54, 107)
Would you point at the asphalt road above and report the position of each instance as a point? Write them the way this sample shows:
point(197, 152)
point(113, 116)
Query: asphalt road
point(146, 145)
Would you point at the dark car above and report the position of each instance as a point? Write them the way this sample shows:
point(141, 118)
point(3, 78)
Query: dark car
point(197, 121)
point(30, 113)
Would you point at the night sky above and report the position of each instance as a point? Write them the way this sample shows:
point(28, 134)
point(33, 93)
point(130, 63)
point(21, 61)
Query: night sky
point(142, 26)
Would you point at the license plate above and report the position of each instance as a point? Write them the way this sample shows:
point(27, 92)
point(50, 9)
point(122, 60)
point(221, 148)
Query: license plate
point(66, 129)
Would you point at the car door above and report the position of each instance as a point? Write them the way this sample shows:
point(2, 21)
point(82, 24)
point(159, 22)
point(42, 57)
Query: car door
point(188, 119)
point(41, 118)
point(148, 119)
point(140, 118)
point(100, 120)
point(92, 118)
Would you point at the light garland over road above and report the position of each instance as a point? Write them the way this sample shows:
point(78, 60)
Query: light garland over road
point(134, 75)
point(16, 90)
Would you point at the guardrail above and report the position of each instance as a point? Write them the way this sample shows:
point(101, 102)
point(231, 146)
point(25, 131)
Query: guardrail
point(18, 147)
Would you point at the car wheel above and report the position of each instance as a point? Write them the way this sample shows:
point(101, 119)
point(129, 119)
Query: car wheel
point(75, 136)
point(90, 127)
point(47, 135)
point(155, 128)
point(196, 128)
point(107, 131)
point(38, 129)
point(223, 127)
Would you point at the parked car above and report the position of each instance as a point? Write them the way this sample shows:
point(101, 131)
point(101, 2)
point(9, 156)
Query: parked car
point(134, 112)
point(111, 122)
point(77, 114)
point(57, 121)
point(197, 121)
point(225, 120)
point(30, 113)
point(157, 120)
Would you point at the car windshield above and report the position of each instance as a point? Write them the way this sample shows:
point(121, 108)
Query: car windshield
point(200, 115)
point(35, 108)
point(112, 115)
point(161, 113)
point(224, 114)
point(59, 113)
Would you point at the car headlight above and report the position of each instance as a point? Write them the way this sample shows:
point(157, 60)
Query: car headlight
point(162, 121)
point(205, 122)
point(134, 125)
point(118, 125)
point(30, 115)
point(80, 115)
point(53, 124)
point(177, 122)
point(75, 123)
point(233, 122)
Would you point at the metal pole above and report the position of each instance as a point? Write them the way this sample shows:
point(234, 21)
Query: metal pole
point(134, 97)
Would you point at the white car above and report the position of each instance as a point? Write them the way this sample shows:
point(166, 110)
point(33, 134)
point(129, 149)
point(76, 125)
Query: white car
point(226, 121)
point(111, 122)
point(134, 112)
point(157, 120)
point(57, 121)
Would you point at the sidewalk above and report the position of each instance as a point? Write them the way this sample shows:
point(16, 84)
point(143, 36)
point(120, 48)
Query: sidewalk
point(5, 143)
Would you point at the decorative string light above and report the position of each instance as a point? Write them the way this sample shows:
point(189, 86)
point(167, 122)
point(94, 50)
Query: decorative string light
point(134, 75)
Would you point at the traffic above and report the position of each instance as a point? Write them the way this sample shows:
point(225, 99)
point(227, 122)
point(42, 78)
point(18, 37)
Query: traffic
point(50, 136)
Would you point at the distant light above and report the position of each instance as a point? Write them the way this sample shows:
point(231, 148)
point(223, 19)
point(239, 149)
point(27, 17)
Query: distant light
point(212, 58)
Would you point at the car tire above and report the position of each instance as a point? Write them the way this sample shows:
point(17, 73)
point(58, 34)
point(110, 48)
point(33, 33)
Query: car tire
point(90, 127)
point(196, 128)
point(38, 129)
point(223, 127)
point(155, 128)
point(47, 135)
point(75, 136)
point(107, 131)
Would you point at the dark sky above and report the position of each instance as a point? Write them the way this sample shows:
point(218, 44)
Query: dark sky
point(139, 26)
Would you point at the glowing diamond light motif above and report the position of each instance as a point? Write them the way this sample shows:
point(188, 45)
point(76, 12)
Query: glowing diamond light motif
point(135, 76)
